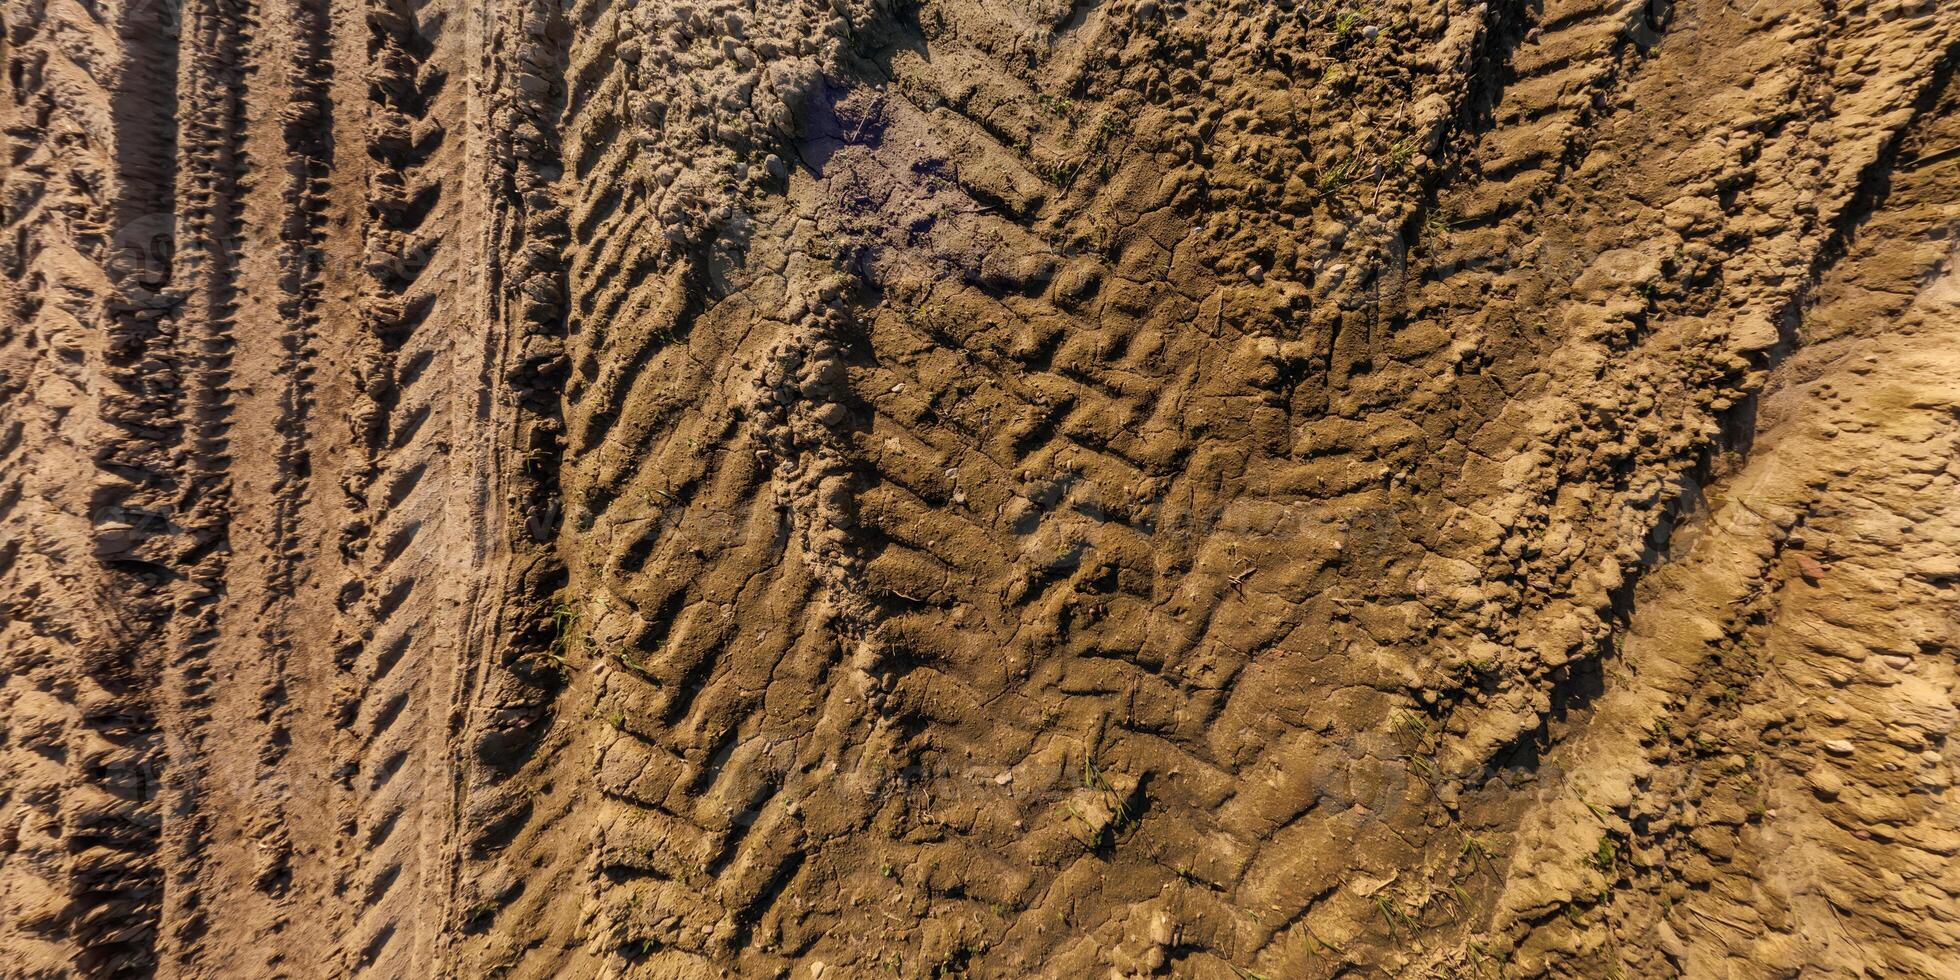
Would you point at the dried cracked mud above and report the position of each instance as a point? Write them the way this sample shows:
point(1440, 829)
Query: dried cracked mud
point(1000, 488)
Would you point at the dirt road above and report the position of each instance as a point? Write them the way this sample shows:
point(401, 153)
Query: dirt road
point(1007, 488)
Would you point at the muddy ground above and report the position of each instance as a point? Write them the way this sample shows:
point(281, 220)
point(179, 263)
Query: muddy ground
point(1003, 488)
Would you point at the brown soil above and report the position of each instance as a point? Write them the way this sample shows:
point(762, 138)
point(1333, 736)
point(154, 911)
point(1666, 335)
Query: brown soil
point(997, 488)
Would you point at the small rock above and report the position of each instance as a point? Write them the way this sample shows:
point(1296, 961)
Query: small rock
point(1825, 782)
point(1003, 779)
point(1839, 747)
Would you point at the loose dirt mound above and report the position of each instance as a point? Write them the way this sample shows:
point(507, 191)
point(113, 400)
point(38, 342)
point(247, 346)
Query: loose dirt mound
point(1211, 488)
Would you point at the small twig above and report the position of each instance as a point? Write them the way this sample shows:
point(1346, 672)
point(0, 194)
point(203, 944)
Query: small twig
point(1934, 157)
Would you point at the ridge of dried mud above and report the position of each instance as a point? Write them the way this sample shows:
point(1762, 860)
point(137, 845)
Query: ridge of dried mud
point(1210, 488)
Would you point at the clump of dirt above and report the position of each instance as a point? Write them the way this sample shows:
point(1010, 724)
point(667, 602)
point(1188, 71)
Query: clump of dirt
point(1214, 488)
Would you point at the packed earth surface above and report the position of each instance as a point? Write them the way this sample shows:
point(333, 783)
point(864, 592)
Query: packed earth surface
point(1228, 489)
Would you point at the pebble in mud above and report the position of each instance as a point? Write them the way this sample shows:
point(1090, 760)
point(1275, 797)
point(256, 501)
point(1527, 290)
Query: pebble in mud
point(833, 415)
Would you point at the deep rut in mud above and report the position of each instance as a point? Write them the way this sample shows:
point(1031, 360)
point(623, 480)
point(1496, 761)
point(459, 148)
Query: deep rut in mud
point(1211, 488)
